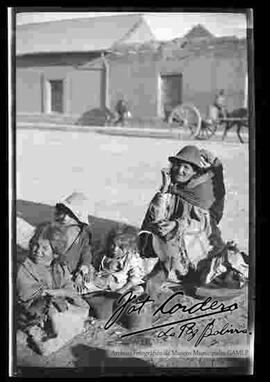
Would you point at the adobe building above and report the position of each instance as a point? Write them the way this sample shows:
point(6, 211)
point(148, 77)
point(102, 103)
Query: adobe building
point(49, 56)
point(155, 76)
point(69, 67)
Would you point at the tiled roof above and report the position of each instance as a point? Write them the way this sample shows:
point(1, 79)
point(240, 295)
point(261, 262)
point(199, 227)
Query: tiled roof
point(177, 49)
point(78, 35)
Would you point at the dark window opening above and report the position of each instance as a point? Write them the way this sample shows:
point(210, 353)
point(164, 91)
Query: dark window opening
point(171, 92)
point(57, 96)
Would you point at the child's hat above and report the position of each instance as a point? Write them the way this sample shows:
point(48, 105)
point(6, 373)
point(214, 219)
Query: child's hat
point(78, 204)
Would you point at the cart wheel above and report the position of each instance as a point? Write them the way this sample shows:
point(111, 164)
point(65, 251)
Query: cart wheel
point(207, 130)
point(187, 117)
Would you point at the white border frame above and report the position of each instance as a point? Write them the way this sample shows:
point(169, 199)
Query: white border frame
point(10, 193)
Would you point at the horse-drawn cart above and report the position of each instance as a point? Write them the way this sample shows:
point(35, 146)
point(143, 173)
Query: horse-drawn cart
point(188, 116)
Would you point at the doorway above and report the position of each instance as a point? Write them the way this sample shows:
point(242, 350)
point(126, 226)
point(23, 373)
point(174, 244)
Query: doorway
point(56, 96)
point(171, 92)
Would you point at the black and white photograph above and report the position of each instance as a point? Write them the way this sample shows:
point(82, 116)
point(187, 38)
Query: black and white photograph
point(132, 249)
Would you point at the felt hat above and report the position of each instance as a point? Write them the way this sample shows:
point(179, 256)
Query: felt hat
point(189, 154)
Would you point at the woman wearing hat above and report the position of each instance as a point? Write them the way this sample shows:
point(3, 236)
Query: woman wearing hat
point(72, 214)
point(181, 223)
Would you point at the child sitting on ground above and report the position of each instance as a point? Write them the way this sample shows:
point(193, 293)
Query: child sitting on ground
point(121, 269)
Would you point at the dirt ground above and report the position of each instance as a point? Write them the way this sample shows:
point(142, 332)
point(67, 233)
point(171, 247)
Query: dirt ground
point(120, 175)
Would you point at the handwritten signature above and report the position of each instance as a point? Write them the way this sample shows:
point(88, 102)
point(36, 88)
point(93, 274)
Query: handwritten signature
point(130, 303)
point(191, 331)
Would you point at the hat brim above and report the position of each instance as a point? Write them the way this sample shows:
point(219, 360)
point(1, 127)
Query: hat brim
point(177, 159)
point(81, 216)
point(67, 209)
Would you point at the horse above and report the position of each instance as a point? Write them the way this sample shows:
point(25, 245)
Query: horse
point(237, 113)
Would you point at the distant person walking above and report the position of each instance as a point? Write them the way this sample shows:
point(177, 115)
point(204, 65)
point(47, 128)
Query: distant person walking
point(122, 110)
point(220, 103)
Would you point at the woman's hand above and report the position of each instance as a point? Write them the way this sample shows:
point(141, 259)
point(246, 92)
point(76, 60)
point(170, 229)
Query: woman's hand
point(166, 179)
point(207, 158)
point(87, 273)
point(79, 283)
point(163, 228)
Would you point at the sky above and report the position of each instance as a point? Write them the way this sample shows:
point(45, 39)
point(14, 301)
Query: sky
point(165, 26)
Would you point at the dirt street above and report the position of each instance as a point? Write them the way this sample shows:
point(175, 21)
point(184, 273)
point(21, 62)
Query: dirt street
point(121, 174)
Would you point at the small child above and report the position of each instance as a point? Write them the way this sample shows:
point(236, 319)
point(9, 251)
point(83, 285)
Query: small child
point(121, 269)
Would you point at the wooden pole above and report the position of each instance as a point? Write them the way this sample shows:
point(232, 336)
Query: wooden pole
point(106, 80)
point(246, 93)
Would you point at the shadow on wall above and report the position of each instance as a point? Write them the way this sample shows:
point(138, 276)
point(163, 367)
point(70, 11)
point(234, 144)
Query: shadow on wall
point(95, 117)
point(36, 213)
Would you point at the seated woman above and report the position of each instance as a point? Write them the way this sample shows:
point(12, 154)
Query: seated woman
point(121, 269)
point(49, 305)
point(72, 214)
point(181, 224)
